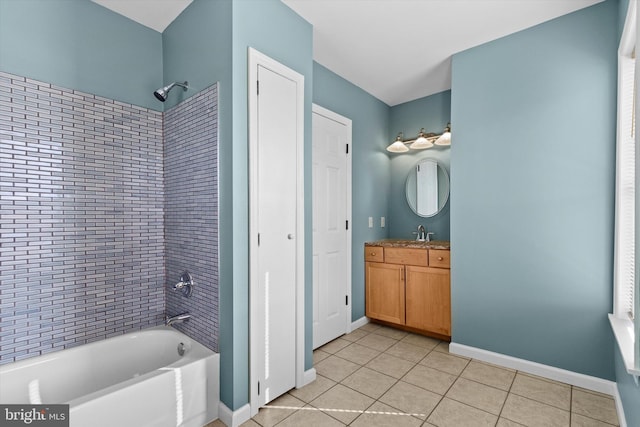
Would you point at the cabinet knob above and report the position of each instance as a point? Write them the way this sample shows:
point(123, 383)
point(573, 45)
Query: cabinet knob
point(373, 254)
point(440, 258)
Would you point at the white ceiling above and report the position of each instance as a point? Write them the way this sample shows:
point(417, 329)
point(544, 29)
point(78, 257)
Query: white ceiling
point(396, 50)
point(155, 14)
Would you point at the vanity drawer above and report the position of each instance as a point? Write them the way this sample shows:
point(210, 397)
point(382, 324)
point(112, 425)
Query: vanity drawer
point(439, 258)
point(407, 256)
point(373, 254)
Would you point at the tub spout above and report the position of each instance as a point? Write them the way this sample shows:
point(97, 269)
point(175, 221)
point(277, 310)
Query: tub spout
point(177, 319)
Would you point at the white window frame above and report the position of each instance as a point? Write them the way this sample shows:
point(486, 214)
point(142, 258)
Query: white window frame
point(625, 326)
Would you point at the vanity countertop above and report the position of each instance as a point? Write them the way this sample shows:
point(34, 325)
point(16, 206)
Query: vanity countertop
point(404, 243)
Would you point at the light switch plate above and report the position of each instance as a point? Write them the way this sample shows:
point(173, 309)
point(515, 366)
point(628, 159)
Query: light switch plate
point(370, 222)
point(382, 221)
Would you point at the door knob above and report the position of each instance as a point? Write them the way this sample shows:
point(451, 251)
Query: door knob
point(290, 236)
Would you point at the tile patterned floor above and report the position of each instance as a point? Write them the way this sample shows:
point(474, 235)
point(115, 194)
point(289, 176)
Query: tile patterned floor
point(379, 376)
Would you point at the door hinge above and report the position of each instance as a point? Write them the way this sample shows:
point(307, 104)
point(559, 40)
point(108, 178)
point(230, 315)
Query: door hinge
point(258, 388)
point(347, 221)
point(346, 300)
point(257, 87)
point(347, 148)
point(258, 239)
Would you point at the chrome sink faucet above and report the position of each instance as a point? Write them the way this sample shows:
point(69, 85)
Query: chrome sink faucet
point(421, 233)
point(177, 319)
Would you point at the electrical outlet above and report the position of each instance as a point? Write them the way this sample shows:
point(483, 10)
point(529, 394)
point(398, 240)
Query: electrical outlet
point(370, 222)
point(382, 221)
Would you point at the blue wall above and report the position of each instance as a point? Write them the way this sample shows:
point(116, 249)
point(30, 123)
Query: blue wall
point(197, 48)
point(432, 113)
point(207, 43)
point(629, 391)
point(532, 192)
point(81, 45)
point(275, 30)
point(370, 165)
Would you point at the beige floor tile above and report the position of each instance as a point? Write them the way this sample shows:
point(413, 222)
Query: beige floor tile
point(489, 374)
point(596, 406)
point(357, 353)
point(443, 347)
point(578, 420)
point(355, 335)
point(336, 368)
point(396, 334)
point(369, 382)
point(310, 417)
point(377, 342)
point(429, 379)
point(390, 365)
point(268, 416)
point(551, 393)
point(335, 345)
point(450, 413)
point(411, 399)
point(533, 414)
point(339, 398)
point(370, 327)
point(218, 423)
point(313, 390)
point(406, 351)
point(421, 341)
point(478, 395)
point(319, 355)
point(503, 422)
point(381, 415)
point(249, 423)
point(448, 363)
point(597, 393)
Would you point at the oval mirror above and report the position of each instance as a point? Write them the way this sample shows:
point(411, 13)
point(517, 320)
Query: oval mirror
point(427, 188)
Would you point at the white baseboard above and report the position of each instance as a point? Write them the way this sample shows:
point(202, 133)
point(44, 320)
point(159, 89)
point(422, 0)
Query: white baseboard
point(234, 418)
point(620, 409)
point(308, 377)
point(546, 371)
point(568, 377)
point(360, 322)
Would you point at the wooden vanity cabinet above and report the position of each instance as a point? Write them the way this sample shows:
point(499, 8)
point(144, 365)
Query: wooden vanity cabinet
point(385, 298)
point(428, 300)
point(409, 287)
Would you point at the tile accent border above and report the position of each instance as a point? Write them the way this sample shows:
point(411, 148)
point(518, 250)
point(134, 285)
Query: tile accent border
point(562, 375)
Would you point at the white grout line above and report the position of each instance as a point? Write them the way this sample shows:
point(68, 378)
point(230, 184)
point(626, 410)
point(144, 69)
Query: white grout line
point(342, 410)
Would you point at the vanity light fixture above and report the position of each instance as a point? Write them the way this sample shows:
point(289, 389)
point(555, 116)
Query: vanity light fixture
point(422, 141)
point(398, 145)
point(445, 138)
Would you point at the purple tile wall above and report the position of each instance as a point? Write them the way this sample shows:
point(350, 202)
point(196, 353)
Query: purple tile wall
point(81, 218)
point(191, 212)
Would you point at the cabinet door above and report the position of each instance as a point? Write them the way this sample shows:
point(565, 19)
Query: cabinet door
point(428, 303)
point(385, 291)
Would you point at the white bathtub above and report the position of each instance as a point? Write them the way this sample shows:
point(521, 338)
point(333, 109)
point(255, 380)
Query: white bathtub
point(136, 380)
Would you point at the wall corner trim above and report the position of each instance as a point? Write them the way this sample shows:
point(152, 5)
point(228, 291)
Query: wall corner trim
point(234, 418)
point(569, 377)
point(359, 323)
point(308, 377)
point(619, 408)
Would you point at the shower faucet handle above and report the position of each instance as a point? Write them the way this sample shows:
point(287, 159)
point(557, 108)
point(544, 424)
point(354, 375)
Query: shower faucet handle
point(185, 285)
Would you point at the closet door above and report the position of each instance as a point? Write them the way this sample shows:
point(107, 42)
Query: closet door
point(276, 180)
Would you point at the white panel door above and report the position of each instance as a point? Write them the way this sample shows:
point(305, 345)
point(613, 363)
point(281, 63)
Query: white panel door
point(330, 228)
point(276, 188)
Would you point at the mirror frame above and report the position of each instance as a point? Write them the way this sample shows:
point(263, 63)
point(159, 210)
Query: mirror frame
point(412, 205)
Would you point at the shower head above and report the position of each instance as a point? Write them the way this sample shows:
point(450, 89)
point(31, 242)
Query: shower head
point(162, 93)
